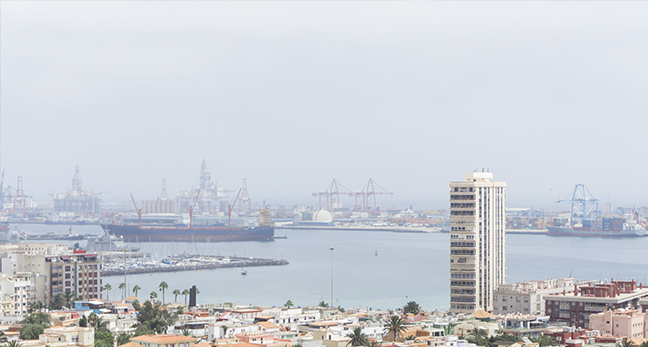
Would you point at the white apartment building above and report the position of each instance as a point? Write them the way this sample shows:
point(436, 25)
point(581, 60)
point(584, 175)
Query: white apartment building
point(528, 297)
point(16, 294)
point(477, 241)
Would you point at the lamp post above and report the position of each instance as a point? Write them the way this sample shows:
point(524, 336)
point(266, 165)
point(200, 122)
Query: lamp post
point(331, 249)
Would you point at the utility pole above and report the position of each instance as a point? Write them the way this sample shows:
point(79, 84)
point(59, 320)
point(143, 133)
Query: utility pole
point(331, 249)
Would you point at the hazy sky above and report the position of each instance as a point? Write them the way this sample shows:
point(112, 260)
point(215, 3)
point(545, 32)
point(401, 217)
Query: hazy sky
point(293, 94)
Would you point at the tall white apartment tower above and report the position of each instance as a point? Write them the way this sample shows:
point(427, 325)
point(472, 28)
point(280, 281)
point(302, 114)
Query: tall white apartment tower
point(477, 241)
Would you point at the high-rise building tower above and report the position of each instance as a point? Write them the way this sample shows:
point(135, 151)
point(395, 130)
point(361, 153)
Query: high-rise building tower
point(477, 241)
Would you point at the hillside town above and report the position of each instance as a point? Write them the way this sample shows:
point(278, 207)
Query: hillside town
point(54, 296)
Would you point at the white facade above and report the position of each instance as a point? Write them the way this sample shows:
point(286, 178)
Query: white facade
point(528, 297)
point(477, 241)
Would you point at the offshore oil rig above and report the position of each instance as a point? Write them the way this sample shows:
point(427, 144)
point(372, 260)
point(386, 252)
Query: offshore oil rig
point(77, 200)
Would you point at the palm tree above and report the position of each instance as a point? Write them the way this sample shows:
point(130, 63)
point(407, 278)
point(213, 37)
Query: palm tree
point(163, 285)
point(412, 307)
point(153, 295)
point(136, 289)
point(289, 304)
point(322, 304)
point(176, 292)
point(13, 344)
point(412, 338)
point(626, 343)
point(395, 326)
point(357, 338)
point(185, 293)
point(122, 286)
point(644, 344)
point(373, 344)
point(108, 287)
point(68, 296)
point(3, 338)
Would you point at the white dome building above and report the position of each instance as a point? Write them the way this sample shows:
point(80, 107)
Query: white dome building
point(322, 216)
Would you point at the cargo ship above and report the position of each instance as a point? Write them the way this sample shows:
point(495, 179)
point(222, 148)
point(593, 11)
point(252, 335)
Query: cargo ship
point(609, 227)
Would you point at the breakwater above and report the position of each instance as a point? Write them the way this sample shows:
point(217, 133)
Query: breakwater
point(235, 262)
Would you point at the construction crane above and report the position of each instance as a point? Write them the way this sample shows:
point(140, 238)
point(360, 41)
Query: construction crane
point(139, 212)
point(332, 195)
point(19, 202)
point(368, 195)
point(164, 195)
point(243, 197)
point(191, 209)
point(583, 205)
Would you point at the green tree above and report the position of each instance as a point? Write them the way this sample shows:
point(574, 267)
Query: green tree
point(322, 304)
point(123, 338)
point(357, 337)
point(643, 344)
point(546, 341)
point(136, 289)
point(374, 344)
point(395, 327)
point(3, 338)
point(57, 302)
point(108, 287)
point(176, 292)
point(163, 286)
point(185, 293)
point(289, 304)
point(187, 332)
point(412, 338)
point(122, 287)
point(13, 344)
point(83, 322)
point(153, 295)
point(68, 296)
point(412, 307)
point(152, 319)
point(626, 343)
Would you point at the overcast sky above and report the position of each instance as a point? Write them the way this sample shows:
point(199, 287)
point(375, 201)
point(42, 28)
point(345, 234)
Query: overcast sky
point(293, 94)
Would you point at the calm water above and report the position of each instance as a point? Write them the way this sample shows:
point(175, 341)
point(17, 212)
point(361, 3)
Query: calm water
point(407, 267)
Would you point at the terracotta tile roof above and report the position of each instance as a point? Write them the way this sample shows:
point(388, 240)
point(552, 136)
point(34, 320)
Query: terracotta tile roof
point(163, 338)
point(131, 344)
point(268, 325)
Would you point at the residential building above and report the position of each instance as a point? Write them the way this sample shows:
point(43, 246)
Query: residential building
point(477, 242)
point(79, 273)
point(63, 337)
point(528, 297)
point(164, 340)
point(16, 294)
point(576, 307)
point(520, 325)
point(621, 322)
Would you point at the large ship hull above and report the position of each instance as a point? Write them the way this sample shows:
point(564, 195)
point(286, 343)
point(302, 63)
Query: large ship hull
point(568, 231)
point(135, 233)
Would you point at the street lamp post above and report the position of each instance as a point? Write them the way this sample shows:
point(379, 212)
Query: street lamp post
point(331, 249)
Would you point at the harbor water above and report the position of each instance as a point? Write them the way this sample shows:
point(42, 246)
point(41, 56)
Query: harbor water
point(369, 269)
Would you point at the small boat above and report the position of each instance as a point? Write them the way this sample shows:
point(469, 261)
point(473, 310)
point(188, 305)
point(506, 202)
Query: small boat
point(376, 253)
point(244, 272)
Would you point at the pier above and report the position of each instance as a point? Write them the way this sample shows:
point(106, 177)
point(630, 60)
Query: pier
point(222, 263)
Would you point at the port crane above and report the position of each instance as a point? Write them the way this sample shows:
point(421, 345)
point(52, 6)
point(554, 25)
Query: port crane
point(368, 196)
point(191, 210)
point(583, 205)
point(332, 195)
point(139, 212)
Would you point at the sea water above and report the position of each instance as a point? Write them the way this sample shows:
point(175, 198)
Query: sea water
point(369, 269)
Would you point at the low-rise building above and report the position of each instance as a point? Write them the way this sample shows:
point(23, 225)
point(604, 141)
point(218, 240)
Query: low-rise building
point(163, 340)
point(621, 322)
point(528, 297)
point(576, 307)
point(63, 337)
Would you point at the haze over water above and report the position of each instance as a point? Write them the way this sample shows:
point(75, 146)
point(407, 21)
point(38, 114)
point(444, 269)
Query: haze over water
point(409, 266)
